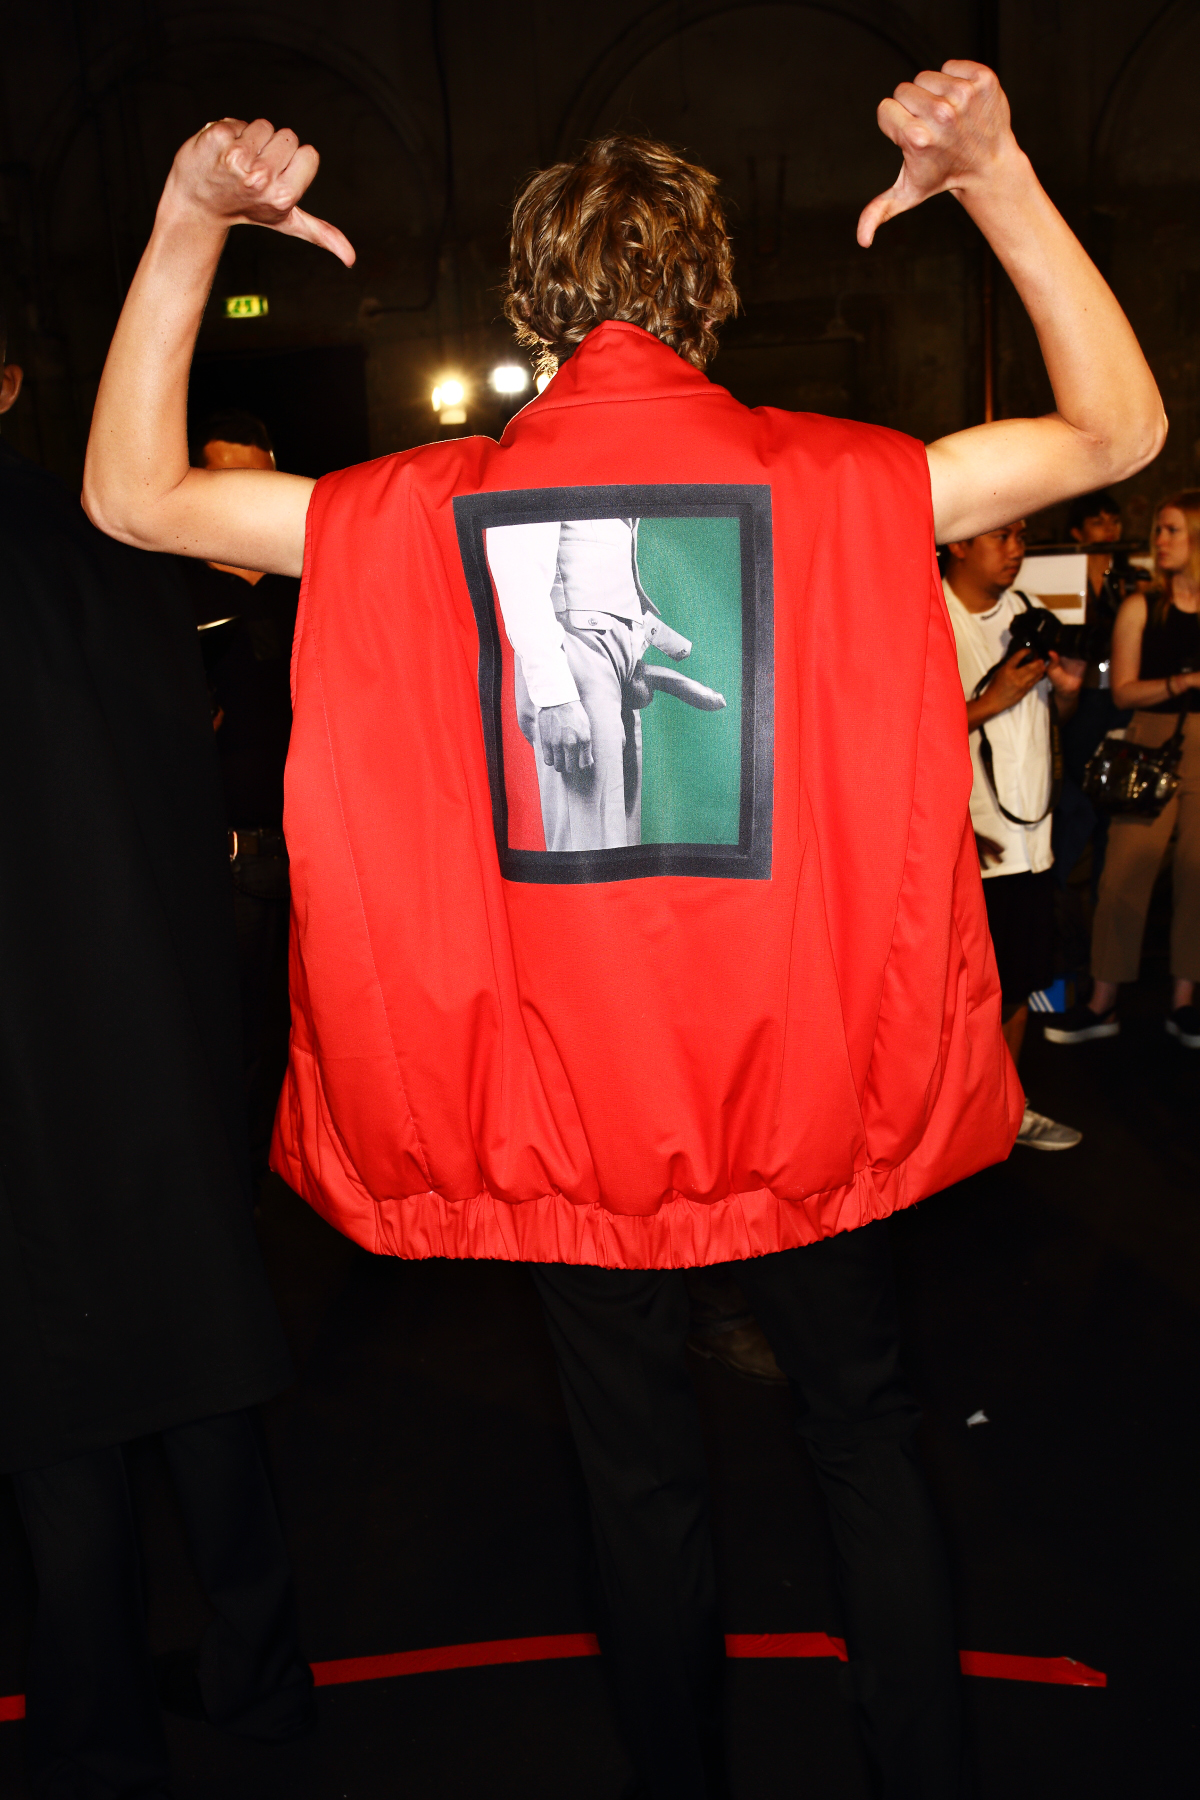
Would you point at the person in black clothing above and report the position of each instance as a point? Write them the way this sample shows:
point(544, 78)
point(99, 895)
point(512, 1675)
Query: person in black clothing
point(133, 1299)
point(1156, 671)
point(1094, 520)
point(249, 672)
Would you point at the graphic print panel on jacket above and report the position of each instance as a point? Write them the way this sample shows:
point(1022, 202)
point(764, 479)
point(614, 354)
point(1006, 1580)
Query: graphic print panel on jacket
point(668, 1068)
point(564, 617)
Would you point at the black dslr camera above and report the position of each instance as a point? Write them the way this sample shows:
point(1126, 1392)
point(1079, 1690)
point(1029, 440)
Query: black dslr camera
point(1038, 631)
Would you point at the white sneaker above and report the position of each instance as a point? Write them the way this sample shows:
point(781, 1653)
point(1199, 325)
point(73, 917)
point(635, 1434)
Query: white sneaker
point(1040, 1133)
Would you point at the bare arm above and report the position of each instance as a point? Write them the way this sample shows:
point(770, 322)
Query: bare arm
point(1128, 690)
point(137, 484)
point(954, 131)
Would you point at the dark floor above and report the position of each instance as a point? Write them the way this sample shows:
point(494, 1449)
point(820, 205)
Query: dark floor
point(431, 1497)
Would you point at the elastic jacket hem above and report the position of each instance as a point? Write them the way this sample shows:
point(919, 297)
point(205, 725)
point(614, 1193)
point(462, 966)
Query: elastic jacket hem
point(681, 1233)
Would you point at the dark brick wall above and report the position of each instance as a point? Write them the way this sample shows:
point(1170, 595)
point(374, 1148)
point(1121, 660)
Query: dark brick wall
point(427, 116)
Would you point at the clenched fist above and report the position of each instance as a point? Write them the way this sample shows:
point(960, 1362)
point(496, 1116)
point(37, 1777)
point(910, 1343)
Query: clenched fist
point(565, 733)
point(235, 173)
point(952, 127)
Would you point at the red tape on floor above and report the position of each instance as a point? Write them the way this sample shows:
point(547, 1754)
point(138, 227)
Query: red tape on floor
point(454, 1656)
point(1062, 1671)
point(786, 1643)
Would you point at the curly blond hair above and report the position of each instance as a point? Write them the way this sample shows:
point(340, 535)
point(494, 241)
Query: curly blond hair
point(628, 230)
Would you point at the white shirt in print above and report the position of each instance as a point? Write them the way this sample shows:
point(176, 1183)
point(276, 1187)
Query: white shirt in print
point(543, 571)
point(1020, 740)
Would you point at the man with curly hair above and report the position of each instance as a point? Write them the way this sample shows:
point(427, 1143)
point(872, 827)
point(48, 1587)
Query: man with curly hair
point(616, 1068)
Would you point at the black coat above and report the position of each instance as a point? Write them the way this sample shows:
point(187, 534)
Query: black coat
point(132, 1293)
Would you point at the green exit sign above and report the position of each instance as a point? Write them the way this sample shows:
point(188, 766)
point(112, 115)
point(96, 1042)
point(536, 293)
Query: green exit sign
point(245, 306)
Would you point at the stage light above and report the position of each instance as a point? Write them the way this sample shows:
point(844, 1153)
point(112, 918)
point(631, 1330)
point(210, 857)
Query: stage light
point(448, 399)
point(510, 378)
point(543, 382)
point(245, 306)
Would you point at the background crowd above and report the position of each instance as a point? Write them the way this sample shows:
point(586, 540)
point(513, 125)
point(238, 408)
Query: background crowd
point(1036, 719)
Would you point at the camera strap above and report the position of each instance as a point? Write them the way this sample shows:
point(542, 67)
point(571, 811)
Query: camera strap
point(1056, 755)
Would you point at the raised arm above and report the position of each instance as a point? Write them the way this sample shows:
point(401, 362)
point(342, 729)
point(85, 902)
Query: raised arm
point(954, 131)
point(137, 484)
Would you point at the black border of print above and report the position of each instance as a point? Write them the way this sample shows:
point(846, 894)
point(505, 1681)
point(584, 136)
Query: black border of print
point(750, 857)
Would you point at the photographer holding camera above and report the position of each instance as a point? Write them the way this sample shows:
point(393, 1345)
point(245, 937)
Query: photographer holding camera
point(1017, 687)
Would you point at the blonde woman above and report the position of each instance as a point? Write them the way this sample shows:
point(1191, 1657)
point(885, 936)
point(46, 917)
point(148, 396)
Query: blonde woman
point(1155, 670)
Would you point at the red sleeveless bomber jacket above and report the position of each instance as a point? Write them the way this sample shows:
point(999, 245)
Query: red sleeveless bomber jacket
point(770, 1012)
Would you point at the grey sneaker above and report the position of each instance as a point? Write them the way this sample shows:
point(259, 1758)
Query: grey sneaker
point(1040, 1133)
point(1184, 1024)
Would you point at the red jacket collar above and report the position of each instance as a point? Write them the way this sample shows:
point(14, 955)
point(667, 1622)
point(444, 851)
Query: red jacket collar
point(617, 362)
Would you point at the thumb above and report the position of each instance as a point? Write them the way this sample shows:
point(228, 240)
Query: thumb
point(877, 213)
point(317, 231)
point(901, 197)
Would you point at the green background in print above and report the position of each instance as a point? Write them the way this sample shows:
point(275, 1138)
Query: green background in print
point(692, 761)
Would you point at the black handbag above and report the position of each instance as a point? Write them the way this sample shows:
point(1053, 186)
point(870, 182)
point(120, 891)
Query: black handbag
point(1133, 779)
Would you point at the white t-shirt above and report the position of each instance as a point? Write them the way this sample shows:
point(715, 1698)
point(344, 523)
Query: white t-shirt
point(1020, 740)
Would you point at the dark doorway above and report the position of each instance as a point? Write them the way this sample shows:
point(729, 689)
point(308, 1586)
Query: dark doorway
point(313, 402)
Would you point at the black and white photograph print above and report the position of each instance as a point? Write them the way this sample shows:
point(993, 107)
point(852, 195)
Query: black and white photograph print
point(625, 678)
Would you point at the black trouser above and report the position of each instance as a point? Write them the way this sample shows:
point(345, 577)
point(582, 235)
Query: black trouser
point(716, 1304)
point(829, 1312)
point(93, 1727)
point(260, 910)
